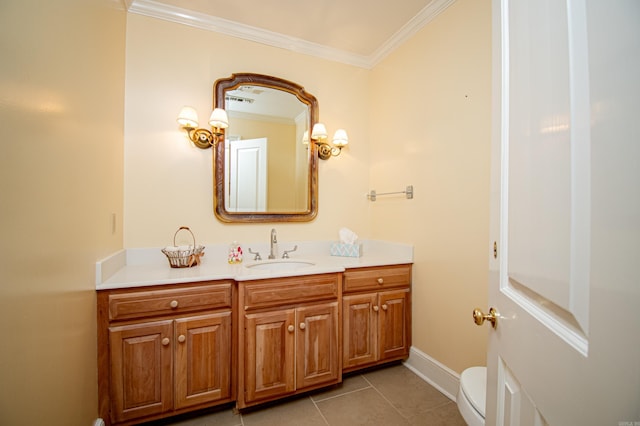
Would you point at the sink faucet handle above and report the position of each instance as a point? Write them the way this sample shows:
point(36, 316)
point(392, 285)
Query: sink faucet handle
point(285, 255)
point(257, 254)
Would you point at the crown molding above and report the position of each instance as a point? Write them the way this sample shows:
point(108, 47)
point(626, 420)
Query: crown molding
point(415, 24)
point(206, 22)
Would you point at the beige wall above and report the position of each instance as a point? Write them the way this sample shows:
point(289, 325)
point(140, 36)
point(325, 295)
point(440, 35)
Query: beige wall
point(420, 117)
point(61, 178)
point(169, 182)
point(61, 172)
point(431, 129)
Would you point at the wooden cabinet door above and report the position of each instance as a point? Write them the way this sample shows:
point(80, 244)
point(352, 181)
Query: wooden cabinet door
point(393, 324)
point(317, 345)
point(359, 328)
point(203, 359)
point(269, 354)
point(141, 369)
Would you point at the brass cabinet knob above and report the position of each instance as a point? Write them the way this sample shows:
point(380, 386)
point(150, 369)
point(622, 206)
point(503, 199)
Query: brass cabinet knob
point(479, 317)
point(174, 304)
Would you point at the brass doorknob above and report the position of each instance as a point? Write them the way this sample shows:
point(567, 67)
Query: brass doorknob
point(492, 316)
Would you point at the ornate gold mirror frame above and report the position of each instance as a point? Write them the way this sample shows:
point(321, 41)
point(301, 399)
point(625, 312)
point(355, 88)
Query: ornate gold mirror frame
point(309, 212)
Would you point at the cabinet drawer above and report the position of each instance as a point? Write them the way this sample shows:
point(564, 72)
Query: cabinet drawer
point(283, 291)
point(167, 301)
point(376, 278)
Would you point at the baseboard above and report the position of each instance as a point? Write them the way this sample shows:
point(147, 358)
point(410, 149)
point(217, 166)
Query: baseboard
point(436, 374)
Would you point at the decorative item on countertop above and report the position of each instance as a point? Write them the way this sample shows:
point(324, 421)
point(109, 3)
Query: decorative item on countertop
point(235, 252)
point(347, 247)
point(184, 256)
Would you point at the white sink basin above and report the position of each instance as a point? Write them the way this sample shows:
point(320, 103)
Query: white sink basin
point(280, 265)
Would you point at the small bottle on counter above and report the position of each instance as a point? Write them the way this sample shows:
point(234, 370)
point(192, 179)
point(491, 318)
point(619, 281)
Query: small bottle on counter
point(235, 252)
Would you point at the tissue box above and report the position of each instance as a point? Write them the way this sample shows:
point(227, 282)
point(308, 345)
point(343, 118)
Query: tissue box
point(346, 250)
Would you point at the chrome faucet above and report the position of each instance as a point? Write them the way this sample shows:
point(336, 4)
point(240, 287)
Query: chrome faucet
point(273, 253)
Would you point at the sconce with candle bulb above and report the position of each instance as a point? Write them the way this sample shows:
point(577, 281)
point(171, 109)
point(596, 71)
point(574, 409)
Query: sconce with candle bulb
point(203, 138)
point(325, 151)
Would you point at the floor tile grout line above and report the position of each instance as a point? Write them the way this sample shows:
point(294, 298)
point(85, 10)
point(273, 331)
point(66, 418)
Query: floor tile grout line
point(386, 399)
point(241, 415)
point(342, 394)
point(368, 384)
point(319, 411)
point(436, 407)
point(452, 414)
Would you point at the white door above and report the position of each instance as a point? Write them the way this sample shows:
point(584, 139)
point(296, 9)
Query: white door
point(246, 175)
point(565, 214)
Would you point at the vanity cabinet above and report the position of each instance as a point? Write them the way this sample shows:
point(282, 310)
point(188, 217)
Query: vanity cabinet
point(164, 351)
point(289, 336)
point(376, 320)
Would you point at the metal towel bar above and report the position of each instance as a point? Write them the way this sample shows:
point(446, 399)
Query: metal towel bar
point(409, 192)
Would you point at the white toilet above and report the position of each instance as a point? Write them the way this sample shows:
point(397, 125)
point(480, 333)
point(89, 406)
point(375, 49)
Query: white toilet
point(471, 398)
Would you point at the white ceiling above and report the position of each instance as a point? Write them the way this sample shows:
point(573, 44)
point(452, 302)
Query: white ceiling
point(357, 32)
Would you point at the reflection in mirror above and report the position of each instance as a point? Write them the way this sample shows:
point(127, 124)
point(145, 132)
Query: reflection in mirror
point(264, 151)
point(266, 171)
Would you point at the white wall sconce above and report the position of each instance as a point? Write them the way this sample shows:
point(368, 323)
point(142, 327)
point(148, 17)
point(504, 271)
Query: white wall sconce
point(203, 138)
point(325, 151)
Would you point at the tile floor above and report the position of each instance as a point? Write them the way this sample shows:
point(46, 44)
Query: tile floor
point(388, 396)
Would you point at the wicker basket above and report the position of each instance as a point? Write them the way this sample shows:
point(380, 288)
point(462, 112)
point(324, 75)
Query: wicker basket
point(184, 258)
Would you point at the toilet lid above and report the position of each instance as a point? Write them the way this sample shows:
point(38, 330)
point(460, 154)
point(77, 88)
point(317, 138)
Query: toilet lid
point(473, 382)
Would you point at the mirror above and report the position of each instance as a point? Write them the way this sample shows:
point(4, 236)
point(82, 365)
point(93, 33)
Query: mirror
point(266, 171)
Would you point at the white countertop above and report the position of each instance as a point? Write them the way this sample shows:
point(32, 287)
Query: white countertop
point(149, 266)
